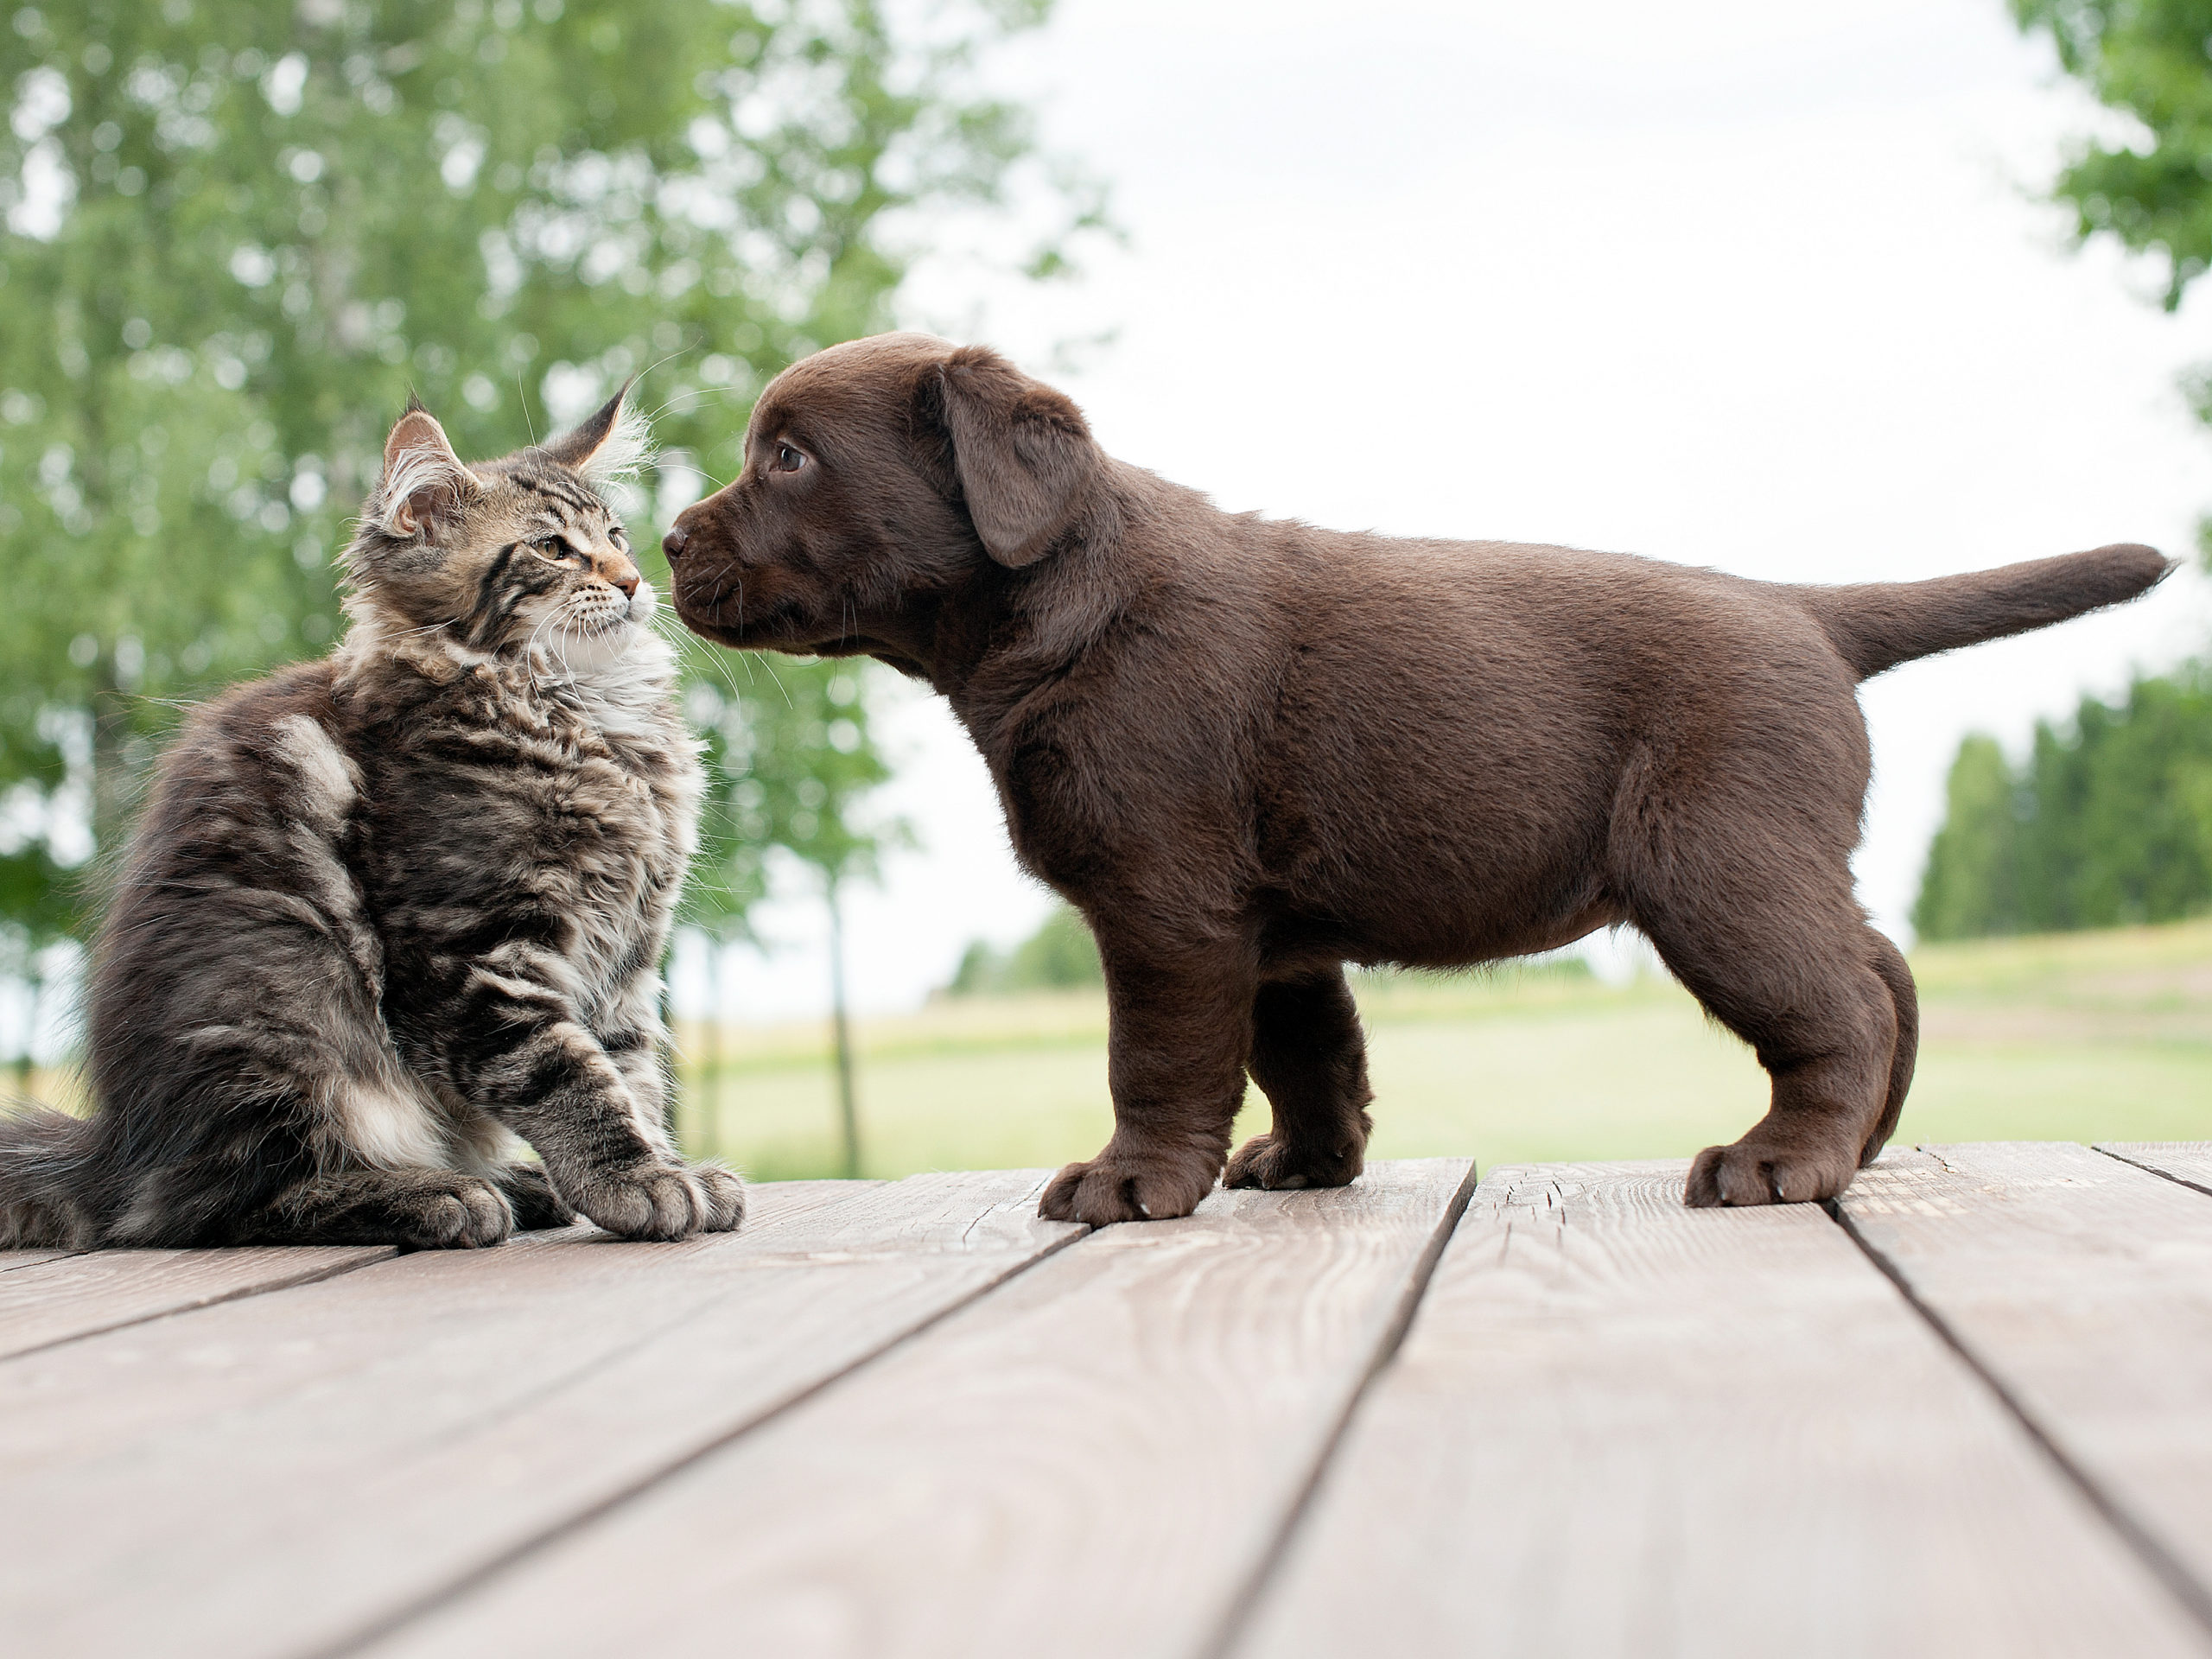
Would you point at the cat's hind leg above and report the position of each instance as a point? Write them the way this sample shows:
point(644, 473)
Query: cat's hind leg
point(530, 1194)
point(417, 1209)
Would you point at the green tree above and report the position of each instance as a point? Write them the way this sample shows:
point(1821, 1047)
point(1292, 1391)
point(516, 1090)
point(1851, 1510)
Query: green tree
point(1061, 955)
point(2151, 191)
point(1971, 886)
point(238, 232)
point(793, 758)
point(2151, 60)
point(2109, 822)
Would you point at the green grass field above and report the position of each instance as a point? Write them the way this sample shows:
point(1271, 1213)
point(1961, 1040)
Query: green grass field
point(2086, 1036)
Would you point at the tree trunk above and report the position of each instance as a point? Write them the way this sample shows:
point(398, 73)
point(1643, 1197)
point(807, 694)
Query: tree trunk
point(842, 1029)
point(24, 1063)
point(710, 1130)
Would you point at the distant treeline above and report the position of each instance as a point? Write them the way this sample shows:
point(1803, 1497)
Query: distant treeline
point(2108, 822)
point(1058, 955)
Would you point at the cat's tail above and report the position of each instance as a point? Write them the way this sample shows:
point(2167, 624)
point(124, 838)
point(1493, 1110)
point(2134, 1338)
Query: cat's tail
point(43, 1157)
point(1879, 624)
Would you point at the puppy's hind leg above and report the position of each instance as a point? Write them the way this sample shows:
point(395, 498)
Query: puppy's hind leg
point(1309, 1057)
point(1890, 964)
point(1763, 930)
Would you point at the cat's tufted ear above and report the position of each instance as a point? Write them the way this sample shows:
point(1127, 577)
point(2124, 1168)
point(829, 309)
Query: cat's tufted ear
point(611, 444)
point(1023, 451)
point(424, 482)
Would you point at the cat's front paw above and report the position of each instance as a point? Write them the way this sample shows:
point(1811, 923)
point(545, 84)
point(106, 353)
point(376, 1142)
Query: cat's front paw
point(662, 1201)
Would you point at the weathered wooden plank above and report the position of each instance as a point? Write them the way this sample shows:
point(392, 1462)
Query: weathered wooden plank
point(2082, 1287)
point(67, 1296)
point(1621, 1427)
point(282, 1474)
point(10, 1260)
point(1091, 1460)
point(2187, 1161)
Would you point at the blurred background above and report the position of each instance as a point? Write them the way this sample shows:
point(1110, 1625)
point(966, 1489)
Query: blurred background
point(1870, 291)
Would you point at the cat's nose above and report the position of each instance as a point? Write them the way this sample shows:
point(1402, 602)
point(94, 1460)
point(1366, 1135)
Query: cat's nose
point(672, 544)
point(620, 573)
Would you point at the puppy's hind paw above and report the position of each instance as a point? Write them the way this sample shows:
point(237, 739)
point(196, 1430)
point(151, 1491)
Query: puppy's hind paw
point(1269, 1162)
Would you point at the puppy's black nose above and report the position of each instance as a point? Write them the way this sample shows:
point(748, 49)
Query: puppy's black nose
point(672, 544)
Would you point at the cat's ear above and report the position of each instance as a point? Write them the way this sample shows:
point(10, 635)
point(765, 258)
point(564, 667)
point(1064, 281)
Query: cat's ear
point(424, 482)
point(613, 443)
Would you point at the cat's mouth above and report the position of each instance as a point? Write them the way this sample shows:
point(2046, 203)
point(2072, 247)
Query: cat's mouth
point(602, 614)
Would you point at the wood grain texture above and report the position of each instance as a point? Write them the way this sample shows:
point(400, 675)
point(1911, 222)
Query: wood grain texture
point(67, 1296)
point(1621, 1427)
point(2187, 1161)
point(279, 1476)
point(1091, 1460)
point(10, 1260)
point(2083, 1286)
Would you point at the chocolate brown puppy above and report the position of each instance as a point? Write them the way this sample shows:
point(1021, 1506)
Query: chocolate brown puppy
point(1251, 751)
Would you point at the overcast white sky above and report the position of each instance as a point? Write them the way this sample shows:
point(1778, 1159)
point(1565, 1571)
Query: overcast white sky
point(1754, 286)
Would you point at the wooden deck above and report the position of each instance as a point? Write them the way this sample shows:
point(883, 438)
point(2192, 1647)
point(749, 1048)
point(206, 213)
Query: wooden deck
point(1967, 1413)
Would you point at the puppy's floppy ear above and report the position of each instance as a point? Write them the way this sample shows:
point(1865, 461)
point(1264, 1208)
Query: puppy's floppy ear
point(610, 443)
point(1022, 453)
point(423, 482)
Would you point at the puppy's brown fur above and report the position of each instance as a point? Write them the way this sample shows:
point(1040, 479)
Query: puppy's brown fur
point(1251, 751)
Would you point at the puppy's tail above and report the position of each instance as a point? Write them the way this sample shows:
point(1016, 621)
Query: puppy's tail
point(1879, 624)
point(43, 1155)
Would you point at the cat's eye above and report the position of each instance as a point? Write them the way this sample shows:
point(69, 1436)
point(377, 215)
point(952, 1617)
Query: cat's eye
point(788, 459)
point(556, 548)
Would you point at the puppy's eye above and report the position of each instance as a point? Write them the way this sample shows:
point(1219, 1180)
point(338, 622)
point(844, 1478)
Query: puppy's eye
point(788, 459)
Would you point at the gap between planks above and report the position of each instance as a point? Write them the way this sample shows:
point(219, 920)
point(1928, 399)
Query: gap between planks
point(1098, 1457)
point(396, 1622)
point(2078, 1287)
point(466, 1404)
point(2186, 1163)
point(77, 1295)
point(1617, 1426)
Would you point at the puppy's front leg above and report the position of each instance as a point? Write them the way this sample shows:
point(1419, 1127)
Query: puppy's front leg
point(1180, 1027)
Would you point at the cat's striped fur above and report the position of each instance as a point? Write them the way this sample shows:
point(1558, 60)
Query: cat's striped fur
point(392, 914)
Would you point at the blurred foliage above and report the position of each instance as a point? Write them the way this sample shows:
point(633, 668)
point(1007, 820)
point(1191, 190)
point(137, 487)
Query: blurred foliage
point(2151, 60)
point(1058, 955)
point(2109, 822)
point(238, 232)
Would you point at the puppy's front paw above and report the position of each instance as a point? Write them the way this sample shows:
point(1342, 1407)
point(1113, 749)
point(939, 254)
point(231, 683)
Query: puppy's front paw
point(1751, 1172)
point(1118, 1187)
point(1267, 1161)
point(454, 1213)
point(663, 1201)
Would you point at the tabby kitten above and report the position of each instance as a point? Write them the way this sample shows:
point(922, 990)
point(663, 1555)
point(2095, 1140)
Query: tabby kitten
point(388, 912)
